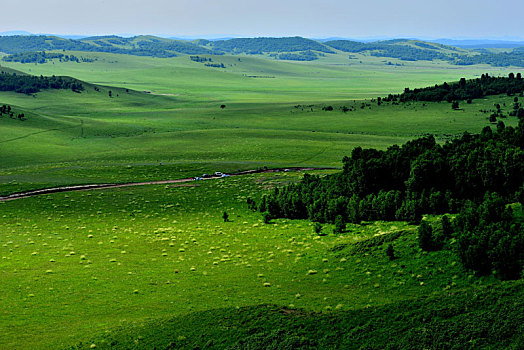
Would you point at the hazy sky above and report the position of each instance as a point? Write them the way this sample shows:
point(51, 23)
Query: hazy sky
point(310, 18)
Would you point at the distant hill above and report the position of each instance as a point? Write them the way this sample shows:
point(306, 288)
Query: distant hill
point(404, 49)
point(267, 45)
point(480, 44)
point(139, 45)
point(287, 48)
point(144, 46)
point(290, 48)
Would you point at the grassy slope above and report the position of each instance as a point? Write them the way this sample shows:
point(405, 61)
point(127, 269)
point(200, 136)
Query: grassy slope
point(88, 261)
point(125, 273)
point(92, 138)
point(475, 319)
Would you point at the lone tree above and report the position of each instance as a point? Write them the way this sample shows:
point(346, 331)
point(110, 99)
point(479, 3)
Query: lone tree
point(455, 105)
point(390, 252)
point(110, 93)
point(340, 224)
point(222, 106)
point(225, 216)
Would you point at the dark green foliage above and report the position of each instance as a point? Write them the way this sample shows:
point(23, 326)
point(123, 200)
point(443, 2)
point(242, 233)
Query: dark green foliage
point(225, 216)
point(455, 105)
point(340, 224)
point(298, 56)
point(251, 204)
point(463, 90)
point(43, 57)
point(501, 59)
point(317, 227)
point(390, 252)
point(491, 238)
point(200, 59)
point(215, 65)
point(266, 217)
point(447, 228)
point(402, 183)
point(427, 240)
point(29, 84)
point(262, 45)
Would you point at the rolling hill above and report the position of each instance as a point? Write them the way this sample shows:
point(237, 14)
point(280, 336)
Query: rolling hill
point(286, 48)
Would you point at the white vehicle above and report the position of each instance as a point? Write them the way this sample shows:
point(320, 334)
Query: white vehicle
point(218, 173)
point(224, 175)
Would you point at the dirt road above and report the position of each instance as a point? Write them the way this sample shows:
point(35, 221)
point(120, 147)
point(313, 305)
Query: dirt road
point(27, 194)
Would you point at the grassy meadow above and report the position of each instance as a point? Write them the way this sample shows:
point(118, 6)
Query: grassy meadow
point(76, 266)
point(273, 116)
point(84, 262)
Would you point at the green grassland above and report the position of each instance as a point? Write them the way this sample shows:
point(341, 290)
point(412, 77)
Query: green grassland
point(75, 266)
point(80, 263)
point(72, 138)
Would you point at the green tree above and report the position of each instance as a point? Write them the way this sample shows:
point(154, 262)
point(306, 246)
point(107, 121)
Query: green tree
point(426, 239)
point(390, 252)
point(340, 224)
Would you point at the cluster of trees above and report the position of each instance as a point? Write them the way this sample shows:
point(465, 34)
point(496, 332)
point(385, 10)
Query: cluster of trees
point(262, 45)
point(200, 59)
point(43, 57)
point(489, 236)
point(419, 177)
point(215, 65)
point(298, 56)
point(30, 84)
point(464, 89)
point(8, 111)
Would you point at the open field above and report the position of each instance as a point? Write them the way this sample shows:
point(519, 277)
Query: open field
point(76, 265)
point(71, 138)
point(86, 261)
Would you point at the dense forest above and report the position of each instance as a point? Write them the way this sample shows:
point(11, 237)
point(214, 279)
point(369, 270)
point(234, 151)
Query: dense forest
point(29, 84)
point(464, 89)
point(478, 176)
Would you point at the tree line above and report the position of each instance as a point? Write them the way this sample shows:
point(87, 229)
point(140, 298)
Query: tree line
point(7, 110)
point(43, 57)
point(475, 175)
point(30, 84)
point(464, 89)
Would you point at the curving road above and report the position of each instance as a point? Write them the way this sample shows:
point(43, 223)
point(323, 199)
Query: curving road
point(28, 194)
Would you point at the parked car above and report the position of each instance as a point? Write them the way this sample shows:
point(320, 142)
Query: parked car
point(218, 173)
point(205, 176)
